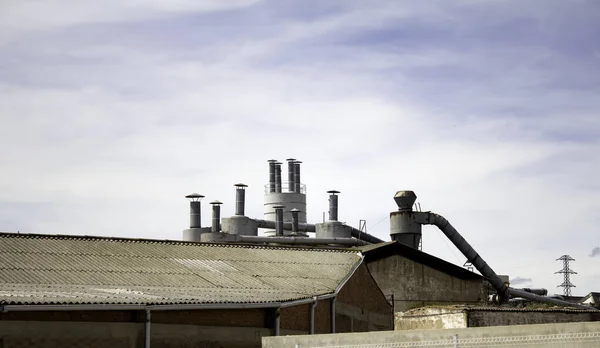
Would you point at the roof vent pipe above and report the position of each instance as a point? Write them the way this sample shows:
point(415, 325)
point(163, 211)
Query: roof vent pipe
point(195, 214)
point(333, 205)
point(216, 216)
point(278, 177)
point(240, 198)
point(272, 170)
point(279, 220)
point(297, 182)
point(291, 175)
point(295, 220)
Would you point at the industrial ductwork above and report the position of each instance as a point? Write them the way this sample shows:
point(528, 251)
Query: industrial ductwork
point(410, 226)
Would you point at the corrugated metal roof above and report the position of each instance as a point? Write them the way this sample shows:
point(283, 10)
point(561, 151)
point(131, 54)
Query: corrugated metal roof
point(49, 269)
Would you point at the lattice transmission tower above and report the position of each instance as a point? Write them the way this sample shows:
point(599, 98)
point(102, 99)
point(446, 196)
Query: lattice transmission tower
point(566, 271)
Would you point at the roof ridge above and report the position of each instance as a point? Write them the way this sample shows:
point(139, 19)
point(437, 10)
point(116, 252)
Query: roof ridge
point(169, 242)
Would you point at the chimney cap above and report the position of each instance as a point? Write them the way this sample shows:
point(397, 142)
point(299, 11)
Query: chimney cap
point(272, 161)
point(240, 185)
point(291, 160)
point(405, 199)
point(215, 203)
point(279, 207)
point(194, 197)
point(333, 192)
point(297, 162)
point(295, 210)
point(277, 162)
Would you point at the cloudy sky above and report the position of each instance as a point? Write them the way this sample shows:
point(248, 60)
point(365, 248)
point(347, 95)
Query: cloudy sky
point(112, 111)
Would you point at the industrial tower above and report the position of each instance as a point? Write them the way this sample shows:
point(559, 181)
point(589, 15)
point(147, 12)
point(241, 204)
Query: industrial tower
point(566, 271)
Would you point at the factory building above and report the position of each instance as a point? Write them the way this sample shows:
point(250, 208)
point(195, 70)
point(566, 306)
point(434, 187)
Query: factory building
point(227, 285)
point(69, 291)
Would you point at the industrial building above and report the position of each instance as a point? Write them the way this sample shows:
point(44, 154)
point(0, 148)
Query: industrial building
point(69, 291)
point(228, 284)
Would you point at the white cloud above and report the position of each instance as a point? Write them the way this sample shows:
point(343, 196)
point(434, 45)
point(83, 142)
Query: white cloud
point(111, 145)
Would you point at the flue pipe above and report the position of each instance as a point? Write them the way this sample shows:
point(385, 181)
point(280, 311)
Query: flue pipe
point(304, 227)
point(216, 216)
point(333, 205)
point(297, 182)
point(279, 220)
point(240, 198)
point(301, 240)
point(272, 170)
point(295, 219)
point(195, 211)
point(278, 177)
point(291, 175)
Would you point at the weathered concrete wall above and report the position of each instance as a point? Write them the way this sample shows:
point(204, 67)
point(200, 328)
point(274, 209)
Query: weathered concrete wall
point(520, 317)
point(361, 306)
point(431, 318)
point(414, 284)
point(573, 335)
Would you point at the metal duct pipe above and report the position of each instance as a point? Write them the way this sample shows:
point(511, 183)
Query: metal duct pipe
point(216, 216)
point(195, 211)
point(291, 175)
point(311, 322)
point(428, 218)
point(333, 205)
point(332, 314)
point(537, 298)
point(278, 177)
point(358, 234)
point(302, 240)
point(240, 199)
point(272, 170)
point(279, 220)
point(540, 292)
point(297, 181)
point(295, 219)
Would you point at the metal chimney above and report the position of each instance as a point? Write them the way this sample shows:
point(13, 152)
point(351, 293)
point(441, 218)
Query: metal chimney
point(295, 219)
point(278, 177)
point(272, 171)
point(403, 228)
point(279, 220)
point(297, 176)
point(240, 198)
point(216, 216)
point(333, 205)
point(195, 213)
point(291, 175)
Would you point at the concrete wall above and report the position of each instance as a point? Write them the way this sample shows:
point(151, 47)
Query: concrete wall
point(431, 318)
point(493, 318)
point(362, 306)
point(414, 284)
point(573, 335)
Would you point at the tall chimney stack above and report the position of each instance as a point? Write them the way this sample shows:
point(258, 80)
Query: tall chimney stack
point(291, 175)
point(279, 220)
point(278, 177)
point(272, 171)
point(297, 182)
point(195, 212)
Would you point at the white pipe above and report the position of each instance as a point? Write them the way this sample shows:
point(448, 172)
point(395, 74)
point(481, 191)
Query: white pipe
point(301, 240)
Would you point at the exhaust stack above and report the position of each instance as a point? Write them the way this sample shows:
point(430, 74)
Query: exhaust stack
point(195, 211)
point(278, 177)
point(297, 181)
point(403, 228)
point(279, 220)
point(240, 199)
point(216, 216)
point(333, 205)
point(291, 174)
point(272, 170)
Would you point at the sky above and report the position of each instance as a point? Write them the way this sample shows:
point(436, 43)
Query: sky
point(112, 111)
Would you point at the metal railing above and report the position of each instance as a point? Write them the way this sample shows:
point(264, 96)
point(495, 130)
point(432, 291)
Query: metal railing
point(285, 188)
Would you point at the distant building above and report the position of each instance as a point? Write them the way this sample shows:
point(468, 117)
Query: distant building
point(458, 317)
point(78, 291)
point(593, 299)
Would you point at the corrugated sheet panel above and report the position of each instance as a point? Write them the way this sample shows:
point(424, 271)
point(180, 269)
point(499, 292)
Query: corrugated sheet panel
point(42, 269)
